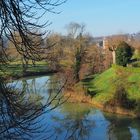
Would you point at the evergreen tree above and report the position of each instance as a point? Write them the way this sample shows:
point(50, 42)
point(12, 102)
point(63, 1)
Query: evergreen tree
point(124, 53)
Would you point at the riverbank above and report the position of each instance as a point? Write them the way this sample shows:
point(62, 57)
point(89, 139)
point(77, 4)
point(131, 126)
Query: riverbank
point(101, 90)
point(14, 71)
point(116, 90)
point(29, 74)
point(77, 98)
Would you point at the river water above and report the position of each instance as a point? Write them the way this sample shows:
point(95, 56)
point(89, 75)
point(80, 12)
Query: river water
point(72, 121)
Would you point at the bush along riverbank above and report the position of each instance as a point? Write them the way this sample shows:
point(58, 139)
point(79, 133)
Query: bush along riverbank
point(116, 90)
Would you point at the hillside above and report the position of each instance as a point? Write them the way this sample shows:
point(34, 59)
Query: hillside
point(103, 87)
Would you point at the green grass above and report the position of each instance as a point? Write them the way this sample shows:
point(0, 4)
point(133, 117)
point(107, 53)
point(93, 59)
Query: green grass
point(103, 86)
point(15, 69)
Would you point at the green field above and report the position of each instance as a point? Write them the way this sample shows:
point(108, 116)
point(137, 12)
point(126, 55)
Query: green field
point(15, 69)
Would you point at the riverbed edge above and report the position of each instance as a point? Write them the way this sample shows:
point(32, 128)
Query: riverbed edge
point(29, 74)
point(74, 98)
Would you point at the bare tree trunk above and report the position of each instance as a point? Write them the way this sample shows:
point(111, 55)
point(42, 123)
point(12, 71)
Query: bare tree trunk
point(24, 64)
point(114, 57)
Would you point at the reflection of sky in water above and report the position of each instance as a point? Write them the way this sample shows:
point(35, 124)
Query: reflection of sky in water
point(100, 131)
point(39, 82)
point(34, 85)
point(134, 133)
point(59, 118)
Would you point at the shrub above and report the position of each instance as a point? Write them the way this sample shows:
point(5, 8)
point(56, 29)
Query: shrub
point(137, 109)
point(136, 64)
point(124, 53)
point(121, 99)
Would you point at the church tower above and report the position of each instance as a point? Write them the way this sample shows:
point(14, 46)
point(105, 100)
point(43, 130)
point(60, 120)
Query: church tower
point(105, 44)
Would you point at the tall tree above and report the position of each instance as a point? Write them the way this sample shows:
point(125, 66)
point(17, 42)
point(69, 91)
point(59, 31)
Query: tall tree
point(80, 48)
point(22, 16)
point(75, 29)
point(55, 51)
point(124, 53)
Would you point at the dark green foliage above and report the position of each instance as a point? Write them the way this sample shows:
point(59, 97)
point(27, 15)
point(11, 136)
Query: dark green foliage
point(137, 109)
point(124, 53)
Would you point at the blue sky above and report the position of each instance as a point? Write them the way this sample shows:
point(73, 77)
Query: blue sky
point(102, 17)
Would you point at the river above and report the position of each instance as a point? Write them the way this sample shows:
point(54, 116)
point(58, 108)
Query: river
point(51, 117)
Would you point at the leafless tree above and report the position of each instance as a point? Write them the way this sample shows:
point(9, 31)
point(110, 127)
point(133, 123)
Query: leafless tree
point(24, 17)
point(74, 29)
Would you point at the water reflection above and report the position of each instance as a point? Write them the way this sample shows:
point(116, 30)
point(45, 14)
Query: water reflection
point(21, 109)
point(75, 125)
point(121, 127)
point(25, 114)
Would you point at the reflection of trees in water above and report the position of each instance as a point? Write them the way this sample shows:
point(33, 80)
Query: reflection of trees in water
point(52, 86)
point(32, 87)
point(120, 128)
point(75, 125)
point(20, 115)
point(49, 90)
point(17, 113)
point(54, 83)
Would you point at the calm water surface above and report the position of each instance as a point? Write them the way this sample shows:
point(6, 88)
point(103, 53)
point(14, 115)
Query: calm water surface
point(73, 121)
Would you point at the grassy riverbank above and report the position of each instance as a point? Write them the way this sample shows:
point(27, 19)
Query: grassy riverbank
point(15, 70)
point(117, 88)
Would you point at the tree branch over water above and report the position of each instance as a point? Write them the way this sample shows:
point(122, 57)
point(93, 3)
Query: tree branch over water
point(24, 17)
point(21, 116)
